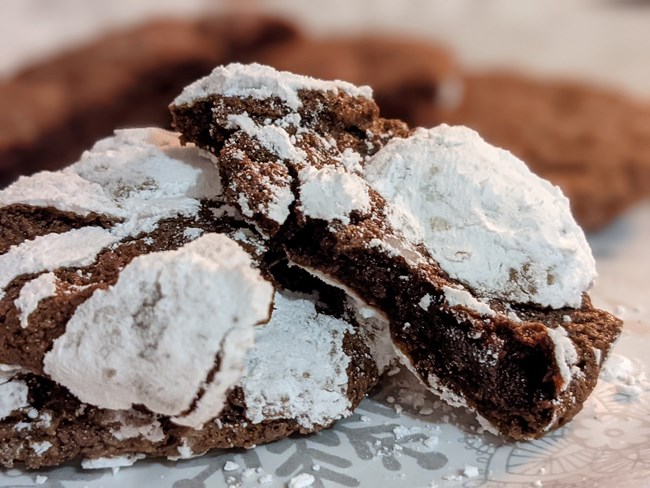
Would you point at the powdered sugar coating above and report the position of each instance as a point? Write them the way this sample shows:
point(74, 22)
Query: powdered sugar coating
point(113, 463)
point(156, 333)
point(8, 371)
point(456, 297)
point(64, 191)
point(149, 175)
point(303, 480)
point(374, 324)
point(277, 141)
point(41, 448)
point(425, 302)
point(13, 396)
point(261, 82)
point(566, 355)
point(331, 193)
point(32, 293)
point(351, 160)
point(139, 175)
point(77, 247)
point(310, 383)
point(628, 375)
point(130, 427)
point(488, 221)
point(136, 173)
point(234, 346)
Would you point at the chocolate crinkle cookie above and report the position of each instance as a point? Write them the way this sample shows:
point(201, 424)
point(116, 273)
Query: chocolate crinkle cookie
point(142, 316)
point(254, 275)
point(475, 263)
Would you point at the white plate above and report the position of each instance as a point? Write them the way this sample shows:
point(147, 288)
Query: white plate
point(607, 444)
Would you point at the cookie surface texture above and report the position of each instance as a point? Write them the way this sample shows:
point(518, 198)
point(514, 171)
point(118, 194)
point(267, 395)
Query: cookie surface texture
point(143, 317)
point(343, 191)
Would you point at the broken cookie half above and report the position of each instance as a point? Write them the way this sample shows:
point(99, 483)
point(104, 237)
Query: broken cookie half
point(143, 317)
point(476, 263)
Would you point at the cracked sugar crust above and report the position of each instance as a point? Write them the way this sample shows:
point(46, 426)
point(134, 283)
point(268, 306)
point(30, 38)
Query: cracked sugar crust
point(258, 415)
point(131, 289)
point(141, 178)
point(260, 82)
point(48, 413)
point(328, 132)
point(158, 331)
point(149, 304)
point(511, 238)
point(512, 349)
point(42, 412)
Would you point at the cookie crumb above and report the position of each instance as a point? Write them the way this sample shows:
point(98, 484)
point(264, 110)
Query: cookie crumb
point(431, 441)
point(266, 479)
point(452, 477)
point(303, 480)
point(230, 466)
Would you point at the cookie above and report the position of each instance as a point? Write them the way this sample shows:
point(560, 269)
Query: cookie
point(57, 108)
point(405, 74)
point(493, 315)
point(141, 336)
point(590, 141)
point(327, 373)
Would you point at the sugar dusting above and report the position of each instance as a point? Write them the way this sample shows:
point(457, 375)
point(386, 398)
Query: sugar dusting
point(277, 140)
point(113, 463)
point(261, 82)
point(456, 297)
point(139, 175)
point(77, 247)
point(446, 188)
point(628, 375)
point(566, 355)
point(65, 191)
point(32, 293)
point(310, 383)
point(158, 330)
point(329, 193)
point(134, 424)
point(13, 394)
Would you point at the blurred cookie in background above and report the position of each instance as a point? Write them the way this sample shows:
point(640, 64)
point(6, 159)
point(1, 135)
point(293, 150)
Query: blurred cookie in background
point(54, 109)
point(592, 142)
